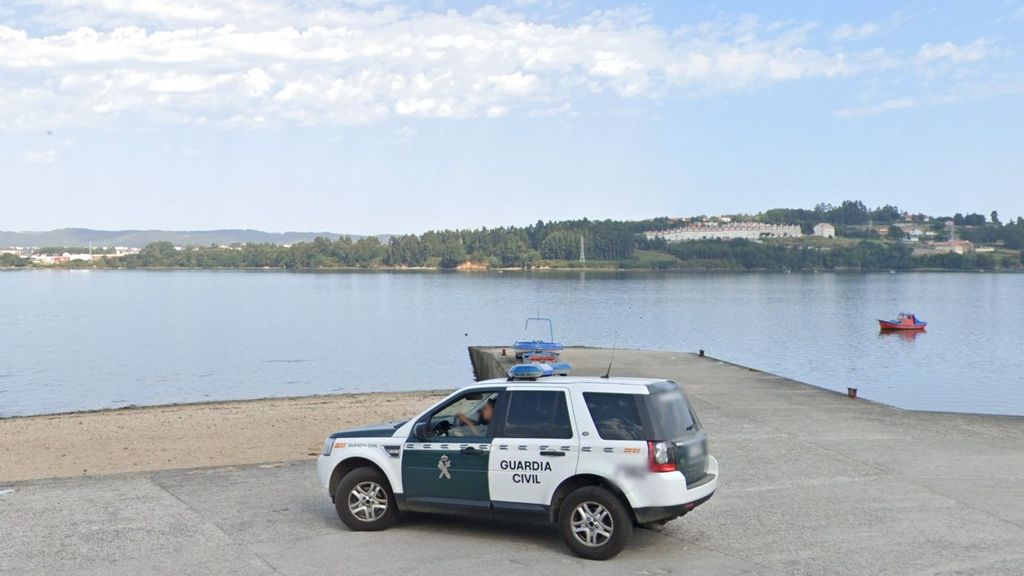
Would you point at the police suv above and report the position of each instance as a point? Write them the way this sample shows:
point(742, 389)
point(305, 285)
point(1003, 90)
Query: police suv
point(596, 456)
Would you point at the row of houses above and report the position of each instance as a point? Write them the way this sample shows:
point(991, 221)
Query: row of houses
point(66, 257)
point(727, 231)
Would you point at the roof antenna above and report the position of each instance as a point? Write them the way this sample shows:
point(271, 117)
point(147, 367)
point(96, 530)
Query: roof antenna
point(608, 372)
point(615, 345)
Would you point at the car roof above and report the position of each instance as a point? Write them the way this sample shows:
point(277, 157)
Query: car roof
point(576, 380)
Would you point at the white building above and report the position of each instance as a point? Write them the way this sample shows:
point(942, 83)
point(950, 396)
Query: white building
point(825, 230)
point(726, 231)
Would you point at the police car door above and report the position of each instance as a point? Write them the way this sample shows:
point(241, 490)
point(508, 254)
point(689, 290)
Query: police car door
point(444, 463)
point(536, 447)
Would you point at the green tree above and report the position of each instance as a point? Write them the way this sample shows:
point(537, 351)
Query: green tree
point(160, 253)
point(974, 219)
point(452, 254)
point(561, 245)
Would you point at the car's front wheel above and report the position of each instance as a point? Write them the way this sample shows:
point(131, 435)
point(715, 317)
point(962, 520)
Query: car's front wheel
point(364, 500)
point(594, 523)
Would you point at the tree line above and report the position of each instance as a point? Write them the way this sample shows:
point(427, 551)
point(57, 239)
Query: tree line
point(607, 243)
point(742, 254)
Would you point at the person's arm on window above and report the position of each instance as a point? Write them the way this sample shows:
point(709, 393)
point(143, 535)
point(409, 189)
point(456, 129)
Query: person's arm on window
point(469, 423)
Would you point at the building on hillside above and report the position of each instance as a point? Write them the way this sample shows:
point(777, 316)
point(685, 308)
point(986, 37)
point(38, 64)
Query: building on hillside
point(825, 230)
point(727, 231)
point(952, 247)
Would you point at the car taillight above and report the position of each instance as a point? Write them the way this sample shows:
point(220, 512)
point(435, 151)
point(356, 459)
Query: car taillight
point(660, 457)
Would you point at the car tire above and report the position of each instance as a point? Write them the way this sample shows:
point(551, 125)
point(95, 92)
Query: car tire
point(364, 500)
point(594, 523)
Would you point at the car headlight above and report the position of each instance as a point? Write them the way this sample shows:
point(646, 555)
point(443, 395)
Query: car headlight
point(328, 446)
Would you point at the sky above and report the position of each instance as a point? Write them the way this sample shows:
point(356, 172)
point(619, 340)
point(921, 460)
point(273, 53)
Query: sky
point(378, 117)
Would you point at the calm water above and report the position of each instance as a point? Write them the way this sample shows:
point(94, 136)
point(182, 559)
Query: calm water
point(86, 339)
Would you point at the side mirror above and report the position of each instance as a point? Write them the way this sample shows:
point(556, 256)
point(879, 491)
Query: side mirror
point(420, 430)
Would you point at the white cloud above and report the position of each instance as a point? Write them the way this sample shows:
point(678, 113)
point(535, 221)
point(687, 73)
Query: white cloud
point(957, 54)
point(854, 32)
point(563, 109)
point(515, 83)
point(497, 112)
point(245, 63)
point(885, 106)
point(258, 82)
point(47, 156)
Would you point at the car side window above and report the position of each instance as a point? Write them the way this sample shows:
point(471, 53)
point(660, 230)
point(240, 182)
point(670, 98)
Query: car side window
point(468, 416)
point(537, 414)
point(616, 416)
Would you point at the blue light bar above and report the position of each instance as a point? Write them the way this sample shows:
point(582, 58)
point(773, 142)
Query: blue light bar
point(534, 371)
point(526, 371)
point(561, 368)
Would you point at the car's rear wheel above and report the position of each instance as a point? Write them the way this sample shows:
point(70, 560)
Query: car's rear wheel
point(594, 523)
point(364, 500)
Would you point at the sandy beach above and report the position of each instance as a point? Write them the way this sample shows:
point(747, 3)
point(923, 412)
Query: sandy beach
point(189, 435)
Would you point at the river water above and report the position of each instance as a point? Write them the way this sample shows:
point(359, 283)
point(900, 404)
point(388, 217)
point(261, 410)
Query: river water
point(73, 340)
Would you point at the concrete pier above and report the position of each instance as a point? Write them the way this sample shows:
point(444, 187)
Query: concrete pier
point(812, 483)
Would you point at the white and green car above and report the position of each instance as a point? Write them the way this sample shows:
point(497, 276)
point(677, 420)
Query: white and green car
point(596, 456)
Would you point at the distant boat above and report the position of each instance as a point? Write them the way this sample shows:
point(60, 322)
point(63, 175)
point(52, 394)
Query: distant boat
point(905, 321)
point(549, 347)
point(540, 357)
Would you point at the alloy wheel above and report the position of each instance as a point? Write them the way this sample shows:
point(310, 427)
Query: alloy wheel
point(592, 524)
point(368, 501)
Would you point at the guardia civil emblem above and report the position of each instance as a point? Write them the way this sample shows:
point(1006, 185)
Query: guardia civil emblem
point(443, 464)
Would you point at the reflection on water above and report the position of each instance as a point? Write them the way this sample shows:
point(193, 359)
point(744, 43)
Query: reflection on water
point(89, 339)
point(905, 335)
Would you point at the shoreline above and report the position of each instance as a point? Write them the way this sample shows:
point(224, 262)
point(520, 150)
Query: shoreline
point(195, 435)
point(597, 269)
point(200, 403)
point(254, 431)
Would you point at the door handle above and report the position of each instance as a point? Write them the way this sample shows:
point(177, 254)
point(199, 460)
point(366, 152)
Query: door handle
point(470, 451)
point(552, 453)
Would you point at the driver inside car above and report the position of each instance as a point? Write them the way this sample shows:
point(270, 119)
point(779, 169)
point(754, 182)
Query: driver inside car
point(478, 427)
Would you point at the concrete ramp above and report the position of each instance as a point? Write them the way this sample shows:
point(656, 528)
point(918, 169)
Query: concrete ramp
point(813, 483)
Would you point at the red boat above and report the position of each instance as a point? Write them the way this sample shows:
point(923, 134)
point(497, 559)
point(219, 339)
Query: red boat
point(904, 321)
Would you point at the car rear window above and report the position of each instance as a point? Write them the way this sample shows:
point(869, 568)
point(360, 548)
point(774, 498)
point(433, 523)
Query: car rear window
point(617, 416)
point(670, 413)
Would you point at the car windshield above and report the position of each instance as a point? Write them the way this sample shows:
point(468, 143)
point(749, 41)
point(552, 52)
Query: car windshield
point(670, 413)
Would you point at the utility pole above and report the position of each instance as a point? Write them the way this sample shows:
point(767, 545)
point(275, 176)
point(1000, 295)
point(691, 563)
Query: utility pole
point(583, 253)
